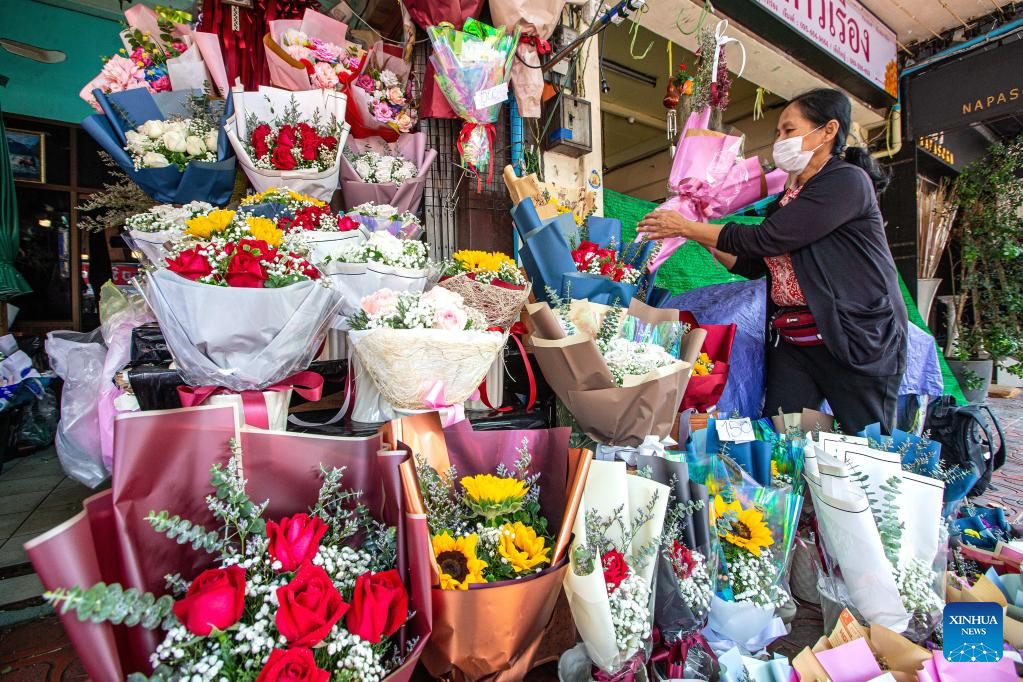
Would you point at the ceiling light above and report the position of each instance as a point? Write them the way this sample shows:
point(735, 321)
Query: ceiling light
point(622, 70)
point(45, 222)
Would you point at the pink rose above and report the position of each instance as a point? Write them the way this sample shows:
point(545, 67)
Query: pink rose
point(324, 76)
point(365, 81)
point(396, 96)
point(120, 73)
point(381, 303)
point(450, 319)
point(382, 112)
point(298, 52)
point(326, 52)
point(161, 84)
point(444, 298)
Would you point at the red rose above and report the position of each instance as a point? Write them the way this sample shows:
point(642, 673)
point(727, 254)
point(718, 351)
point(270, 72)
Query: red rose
point(305, 130)
point(310, 147)
point(245, 270)
point(329, 142)
point(379, 606)
point(309, 270)
point(309, 606)
point(292, 665)
point(286, 136)
point(295, 540)
point(190, 264)
point(346, 224)
point(259, 135)
point(615, 569)
point(282, 159)
point(216, 599)
point(682, 560)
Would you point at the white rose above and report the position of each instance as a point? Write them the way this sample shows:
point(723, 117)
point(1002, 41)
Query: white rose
point(211, 139)
point(194, 146)
point(153, 129)
point(174, 141)
point(137, 142)
point(155, 160)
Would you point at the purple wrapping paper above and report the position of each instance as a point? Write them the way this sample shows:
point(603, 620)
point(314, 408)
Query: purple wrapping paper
point(406, 197)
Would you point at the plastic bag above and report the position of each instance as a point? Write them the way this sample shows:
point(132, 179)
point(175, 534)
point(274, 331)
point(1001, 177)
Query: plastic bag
point(39, 423)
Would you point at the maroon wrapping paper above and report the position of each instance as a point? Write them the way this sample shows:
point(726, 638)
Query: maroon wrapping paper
point(427, 13)
point(162, 461)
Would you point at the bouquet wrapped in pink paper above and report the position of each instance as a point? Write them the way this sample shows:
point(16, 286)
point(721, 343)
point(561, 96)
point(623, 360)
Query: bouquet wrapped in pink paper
point(159, 55)
point(311, 53)
point(374, 170)
point(536, 19)
point(382, 103)
point(711, 179)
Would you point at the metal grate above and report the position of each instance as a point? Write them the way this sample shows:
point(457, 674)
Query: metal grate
point(456, 216)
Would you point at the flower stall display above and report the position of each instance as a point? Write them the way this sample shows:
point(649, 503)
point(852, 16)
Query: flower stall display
point(382, 102)
point(149, 232)
point(159, 55)
point(276, 202)
point(472, 68)
point(500, 506)
point(289, 139)
point(361, 268)
point(489, 282)
point(172, 146)
point(311, 53)
point(420, 352)
point(237, 308)
point(313, 581)
point(617, 536)
point(387, 218)
point(381, 172)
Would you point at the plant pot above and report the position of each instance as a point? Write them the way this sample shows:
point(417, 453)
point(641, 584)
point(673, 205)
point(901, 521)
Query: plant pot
point(926, 289)
point(963, 369)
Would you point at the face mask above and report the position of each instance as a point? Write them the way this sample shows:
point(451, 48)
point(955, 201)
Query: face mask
point(789, 155)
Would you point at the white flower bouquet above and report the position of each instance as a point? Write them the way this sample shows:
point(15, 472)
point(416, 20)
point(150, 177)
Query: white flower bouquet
point(288, 139)
point(392, 173)
point(158, 144)
point(149, 232)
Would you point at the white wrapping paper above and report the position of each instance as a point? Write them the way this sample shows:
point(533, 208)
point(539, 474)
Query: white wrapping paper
point(323, 244)
point(151, 244)
point(355, 281)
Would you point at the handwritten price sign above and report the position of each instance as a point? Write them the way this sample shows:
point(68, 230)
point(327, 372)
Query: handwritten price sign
point(735, 430)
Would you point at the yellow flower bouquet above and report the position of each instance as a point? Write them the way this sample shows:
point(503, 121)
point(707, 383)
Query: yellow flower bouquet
point(490, 282)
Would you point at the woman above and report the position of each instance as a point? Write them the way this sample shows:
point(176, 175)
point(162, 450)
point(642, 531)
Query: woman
point(837, 322)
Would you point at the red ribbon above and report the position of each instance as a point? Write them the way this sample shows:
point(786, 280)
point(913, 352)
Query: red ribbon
point(307, 384)
point(674, 655)
point(517, 332)
point(626, 674)
point(463, 137)
point(541, 45)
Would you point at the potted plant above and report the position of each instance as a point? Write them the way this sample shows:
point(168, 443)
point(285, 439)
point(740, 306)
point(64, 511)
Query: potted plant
point(988, 277)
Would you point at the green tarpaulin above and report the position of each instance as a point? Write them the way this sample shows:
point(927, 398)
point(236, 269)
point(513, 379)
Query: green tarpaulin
point(692, 266)
point(11, 282)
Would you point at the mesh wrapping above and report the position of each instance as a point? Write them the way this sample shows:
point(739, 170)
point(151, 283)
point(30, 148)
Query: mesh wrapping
point(500, 306)
point(406, 363)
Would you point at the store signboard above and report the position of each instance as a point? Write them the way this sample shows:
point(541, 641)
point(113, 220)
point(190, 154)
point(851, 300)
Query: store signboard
point(847, 31)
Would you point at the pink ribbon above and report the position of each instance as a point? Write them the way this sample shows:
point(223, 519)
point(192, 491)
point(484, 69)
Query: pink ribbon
point(700, 197)
point(449, 414)
point(307, 384)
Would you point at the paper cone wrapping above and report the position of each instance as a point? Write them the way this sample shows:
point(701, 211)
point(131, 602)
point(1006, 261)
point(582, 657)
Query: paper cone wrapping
point(609, 414)
point(240, 338)
point(493, 631)
point(500, 304)
point(317, 184)
point(152, 244)
point(358, 114)
point(355, 281)
point(112, 542)
point(535, 18)
point(610, 487)
point(287, 72)
point(406, 364)
point(405, 197)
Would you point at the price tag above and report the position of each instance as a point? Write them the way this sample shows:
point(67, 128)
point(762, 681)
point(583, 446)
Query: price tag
point(491, 96)
point(735, 430)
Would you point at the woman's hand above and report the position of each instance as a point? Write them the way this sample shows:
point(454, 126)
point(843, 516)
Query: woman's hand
point(661, 224)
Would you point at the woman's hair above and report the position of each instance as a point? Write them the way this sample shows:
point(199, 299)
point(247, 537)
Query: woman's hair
point(824, 104)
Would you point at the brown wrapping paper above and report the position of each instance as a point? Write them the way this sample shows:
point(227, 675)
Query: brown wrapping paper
point(534, 18)
point(609, 414)
point(494, 632)
point(808, 420)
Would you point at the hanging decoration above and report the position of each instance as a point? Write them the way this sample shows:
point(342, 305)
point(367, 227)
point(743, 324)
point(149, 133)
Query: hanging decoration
point(758, 103)
point(704, 11)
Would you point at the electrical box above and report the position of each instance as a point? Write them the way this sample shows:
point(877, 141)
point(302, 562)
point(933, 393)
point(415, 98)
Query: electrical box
point(569, 132)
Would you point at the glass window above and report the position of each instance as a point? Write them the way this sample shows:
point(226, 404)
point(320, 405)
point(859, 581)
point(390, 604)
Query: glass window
point(92, 172)
point(44, 253)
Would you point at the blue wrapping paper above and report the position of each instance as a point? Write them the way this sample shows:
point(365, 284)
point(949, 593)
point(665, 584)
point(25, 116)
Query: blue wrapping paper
point(597, 289)
point(212, 182)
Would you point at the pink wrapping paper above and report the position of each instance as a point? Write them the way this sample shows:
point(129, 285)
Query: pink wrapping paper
point(358, 114)
point(851, 662)
point(407, 197)
point(939, 670)
point(709, 178)
point(283, 71)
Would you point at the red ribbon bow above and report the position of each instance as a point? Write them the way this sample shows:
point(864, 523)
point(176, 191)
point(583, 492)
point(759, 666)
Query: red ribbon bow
point(541, 45)
point(674, 655)
point(517, 332)
point(307, 384)
point(626, 674)
point(463, 137)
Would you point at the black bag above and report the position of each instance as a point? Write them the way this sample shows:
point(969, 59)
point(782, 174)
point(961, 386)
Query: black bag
point(965, 438)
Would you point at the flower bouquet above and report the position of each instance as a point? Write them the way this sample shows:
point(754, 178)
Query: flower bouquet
point(307, 585)
point(382, 104)
point(278, 202)
point(159, 55)
point(536, 19)
point(169, 143)
point(489, 282)
point(149, 232)
point(387, 218)
point(421, 351)
point(710, 371)
point(617, 536)
point(500, 506)
point(311, 53)
point(473, 67)
point(289, 139)
point(359, 269)
point(381, 172)
point(237, 308)
point(619, 391)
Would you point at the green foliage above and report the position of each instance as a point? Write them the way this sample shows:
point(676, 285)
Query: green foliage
point(184, 532)
point(114, 604)
point(119, 200)
point(989, 272)
point(889, 527)
point(610, 324)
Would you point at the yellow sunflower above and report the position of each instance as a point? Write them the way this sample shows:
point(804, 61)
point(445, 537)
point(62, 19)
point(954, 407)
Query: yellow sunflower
point(204, 226)
point(305, 198)
point(481, 261)
point(522, 547)
point(265, 229)
point(456, 559)
point(746, 528)
point(492, 496)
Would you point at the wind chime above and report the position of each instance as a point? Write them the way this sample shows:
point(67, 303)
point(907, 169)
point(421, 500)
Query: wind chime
point(679, 83)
